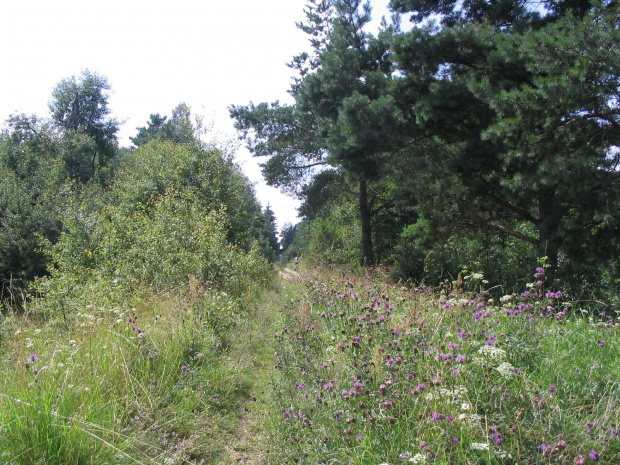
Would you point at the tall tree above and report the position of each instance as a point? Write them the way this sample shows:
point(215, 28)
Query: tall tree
point(519, 102)
point(342, 109)
point(79, 107)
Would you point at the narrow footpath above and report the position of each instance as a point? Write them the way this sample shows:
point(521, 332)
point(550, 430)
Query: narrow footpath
point(254, 350)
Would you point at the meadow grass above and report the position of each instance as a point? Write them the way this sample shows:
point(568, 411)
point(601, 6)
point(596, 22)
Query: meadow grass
point(364, 372)
point(154, 380)
point(374, 373)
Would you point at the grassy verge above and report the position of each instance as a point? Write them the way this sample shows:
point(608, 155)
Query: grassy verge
point(151, 381)
point(371, 373)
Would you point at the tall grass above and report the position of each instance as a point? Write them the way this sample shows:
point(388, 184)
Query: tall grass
point(141, 382)
point(371, 373)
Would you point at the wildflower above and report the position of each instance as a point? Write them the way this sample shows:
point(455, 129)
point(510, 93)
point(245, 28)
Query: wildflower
point(418, 458)
point(505, 369)
point(479, 446)
point(593, 455)
point(601, 343)
point(560, 446)
point(589, 427)
point(436, 416)
point(579, 460)
point(359, 438)
point(552, 389)
point(460, 358)
point(454, 440)
point(465, 406)
point(533, 320)
point(184, 368)
point(614, 433)
point(33, 358)
point(544, 448)
point(492, 352)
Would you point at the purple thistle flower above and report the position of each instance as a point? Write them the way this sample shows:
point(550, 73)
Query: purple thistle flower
point(33, 358)
point(614, 433)
point(589, 427)
point(359, 438)
point(436, 416)
point(593, 455)
point(184, 368)
point(552, 389)
point(544, 448)
point(601, 343)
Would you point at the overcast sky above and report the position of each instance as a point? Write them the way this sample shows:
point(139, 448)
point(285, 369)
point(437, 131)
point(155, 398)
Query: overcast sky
point(156, 54)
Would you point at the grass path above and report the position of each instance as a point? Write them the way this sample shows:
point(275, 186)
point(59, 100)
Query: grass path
point(254, 350)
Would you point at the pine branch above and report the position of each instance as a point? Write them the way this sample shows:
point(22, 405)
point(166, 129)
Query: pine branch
point(516, 234)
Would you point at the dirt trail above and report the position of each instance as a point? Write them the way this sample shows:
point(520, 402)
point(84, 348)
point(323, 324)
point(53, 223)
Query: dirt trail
point(250, 442)
point(288, 274)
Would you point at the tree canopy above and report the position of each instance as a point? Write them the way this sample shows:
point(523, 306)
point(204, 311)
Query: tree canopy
point(483, 119)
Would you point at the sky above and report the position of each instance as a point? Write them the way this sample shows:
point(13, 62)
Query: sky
point(155, 55)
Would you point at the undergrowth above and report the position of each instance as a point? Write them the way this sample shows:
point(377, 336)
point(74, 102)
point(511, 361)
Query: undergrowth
point(148, 380)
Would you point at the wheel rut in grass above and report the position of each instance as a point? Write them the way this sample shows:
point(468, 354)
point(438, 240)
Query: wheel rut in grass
point(250, 441)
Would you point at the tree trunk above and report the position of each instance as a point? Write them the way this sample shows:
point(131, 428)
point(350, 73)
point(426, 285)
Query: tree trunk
point(365, 217)
point(548, 230)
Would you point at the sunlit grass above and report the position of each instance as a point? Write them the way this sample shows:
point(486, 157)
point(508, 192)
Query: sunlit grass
point(144, 382)
point(373, 373)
